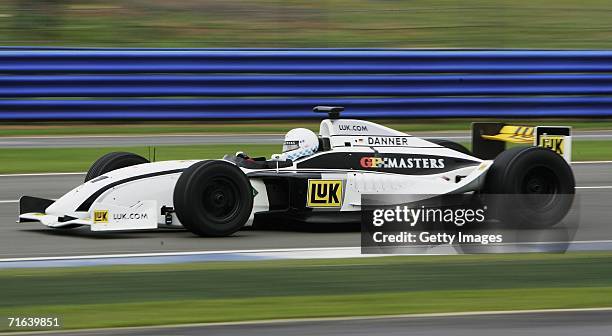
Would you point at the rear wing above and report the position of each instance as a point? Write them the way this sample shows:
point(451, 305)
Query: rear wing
point(490, 138)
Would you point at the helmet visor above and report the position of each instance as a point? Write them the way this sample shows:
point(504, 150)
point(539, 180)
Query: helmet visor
point(290, 145)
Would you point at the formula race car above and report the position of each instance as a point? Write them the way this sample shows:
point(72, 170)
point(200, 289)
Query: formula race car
point(316, 179)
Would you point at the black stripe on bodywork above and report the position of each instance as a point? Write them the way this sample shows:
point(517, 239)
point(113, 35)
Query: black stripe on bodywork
point(352, 161)
point(91, 199)
point(287, 174)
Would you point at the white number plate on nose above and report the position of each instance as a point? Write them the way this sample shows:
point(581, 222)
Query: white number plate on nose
point(110, 217)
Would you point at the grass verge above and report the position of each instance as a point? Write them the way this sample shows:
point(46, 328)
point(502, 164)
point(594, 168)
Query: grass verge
point(270, 126)
point(36, 160)
point(218, 291)
point(537, 24)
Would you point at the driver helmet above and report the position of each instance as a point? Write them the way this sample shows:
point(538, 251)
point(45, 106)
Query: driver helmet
point(299, 142)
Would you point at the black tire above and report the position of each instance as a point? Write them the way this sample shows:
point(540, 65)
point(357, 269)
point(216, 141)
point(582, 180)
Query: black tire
point(451, 145)
point(113, 161)
point(213, 198)
point(539, 183)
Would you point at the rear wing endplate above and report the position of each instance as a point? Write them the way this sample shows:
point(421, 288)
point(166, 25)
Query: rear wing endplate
point(490, 138)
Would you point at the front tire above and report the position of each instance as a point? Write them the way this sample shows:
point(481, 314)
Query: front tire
point(539, 183)
point(113, 161)
point(213, 198)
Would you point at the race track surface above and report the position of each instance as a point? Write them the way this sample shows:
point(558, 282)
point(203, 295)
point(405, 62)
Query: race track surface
point(518, 324)
point(161, 140)
point(35, 240)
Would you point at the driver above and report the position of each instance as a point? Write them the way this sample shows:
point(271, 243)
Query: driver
point(299, 142)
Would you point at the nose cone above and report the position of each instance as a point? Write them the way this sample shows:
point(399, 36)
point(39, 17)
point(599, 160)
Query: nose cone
point(68, 204)
point(101, 186)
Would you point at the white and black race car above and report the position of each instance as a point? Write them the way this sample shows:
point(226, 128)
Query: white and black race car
point(323, 184)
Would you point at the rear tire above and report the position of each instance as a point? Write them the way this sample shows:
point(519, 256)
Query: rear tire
point(213, 198)
point(451, 145)
point(542, 181)
point(113, 161)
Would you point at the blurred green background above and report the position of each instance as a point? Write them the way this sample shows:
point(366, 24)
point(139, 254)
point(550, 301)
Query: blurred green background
point(314, 23)
point(133, 295)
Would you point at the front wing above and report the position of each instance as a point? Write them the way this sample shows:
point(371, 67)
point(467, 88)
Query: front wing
point(102, 217)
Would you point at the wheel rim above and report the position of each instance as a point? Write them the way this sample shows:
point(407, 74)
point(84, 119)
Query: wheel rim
point(220, 199)
point(539, 186)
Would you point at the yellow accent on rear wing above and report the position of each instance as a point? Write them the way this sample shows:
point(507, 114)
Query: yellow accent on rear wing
point(490, 138)
point(513, 134)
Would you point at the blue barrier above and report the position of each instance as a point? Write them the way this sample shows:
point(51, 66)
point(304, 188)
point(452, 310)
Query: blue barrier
point(301, 108)
point(72, 83)
point(299, 61)
point(302, 85)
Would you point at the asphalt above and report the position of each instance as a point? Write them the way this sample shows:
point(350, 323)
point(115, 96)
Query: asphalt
point(191, 139)
point(35, 240)
point(572, 323)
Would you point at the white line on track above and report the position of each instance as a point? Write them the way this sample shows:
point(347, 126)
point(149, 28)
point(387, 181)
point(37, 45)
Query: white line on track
point(595, 187)
point(128, 136)
point(174, 254)
point(323, 319)
point(591, 162)
point(468, 137)
point(257, 251)
point(41, 174)
point(9, 201)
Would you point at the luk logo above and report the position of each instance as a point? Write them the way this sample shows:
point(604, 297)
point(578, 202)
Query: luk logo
point(100, 216)
point(356, 128)
point(130, 216)
point(324, 193)
point(554, 143)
